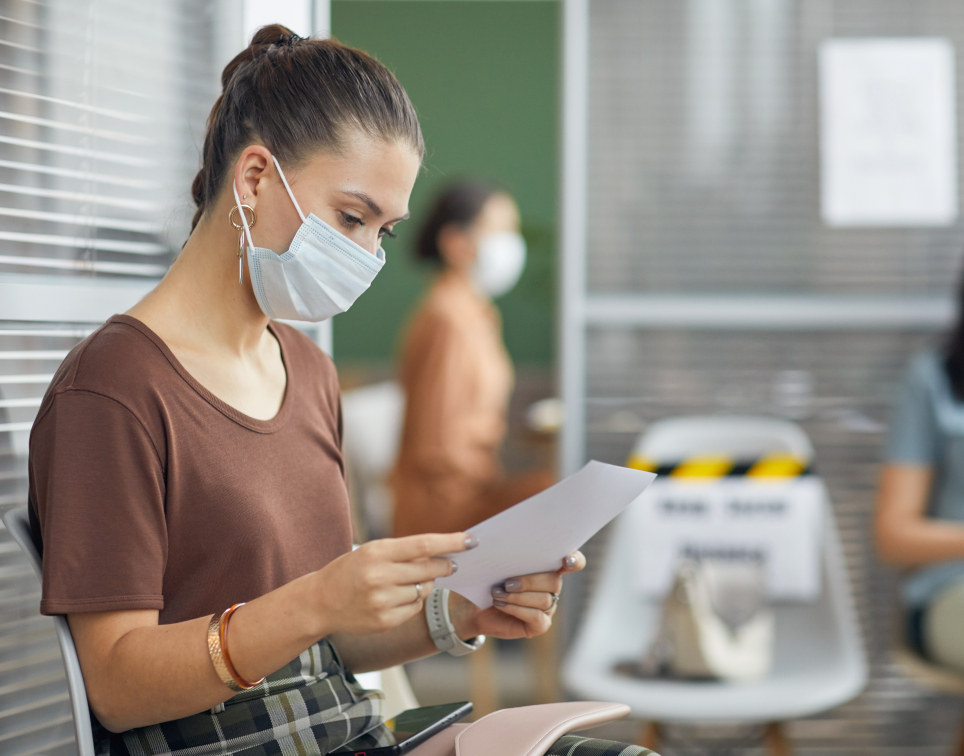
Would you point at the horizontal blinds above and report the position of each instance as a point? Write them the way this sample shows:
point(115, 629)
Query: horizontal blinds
point(703, 187)
point(704, 150)
point(35, 714)
point(102, 108)
point(102, 104)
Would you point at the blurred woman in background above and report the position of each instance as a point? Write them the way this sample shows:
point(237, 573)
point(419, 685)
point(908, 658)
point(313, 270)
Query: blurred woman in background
point(456, 371)
point(920, 507)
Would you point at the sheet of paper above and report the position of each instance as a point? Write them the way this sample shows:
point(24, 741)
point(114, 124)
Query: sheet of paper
point(536, 534)
point(888, 132)
point(776, 523)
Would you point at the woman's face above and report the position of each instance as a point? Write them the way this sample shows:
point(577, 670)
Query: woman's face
point(460, 247)
point(362, 192)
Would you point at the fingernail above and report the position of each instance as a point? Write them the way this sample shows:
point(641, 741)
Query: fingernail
point(569, 562)
point(455, 567)
point(471, 542)
point(513, 585)
point(499, 604)
point(499, 593)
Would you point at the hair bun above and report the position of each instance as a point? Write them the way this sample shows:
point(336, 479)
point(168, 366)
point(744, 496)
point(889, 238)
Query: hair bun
point(262, 41)
point(273, 34)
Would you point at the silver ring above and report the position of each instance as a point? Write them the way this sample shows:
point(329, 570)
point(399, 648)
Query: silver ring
point(418, 591)
point(555, 600)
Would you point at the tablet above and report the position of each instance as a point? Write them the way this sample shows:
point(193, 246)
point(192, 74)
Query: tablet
point(415, 726)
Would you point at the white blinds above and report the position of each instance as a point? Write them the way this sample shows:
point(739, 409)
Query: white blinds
point(101, 107)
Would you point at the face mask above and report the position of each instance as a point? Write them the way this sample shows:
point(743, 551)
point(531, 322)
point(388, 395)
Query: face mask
point(321, 274)
point(499, 263)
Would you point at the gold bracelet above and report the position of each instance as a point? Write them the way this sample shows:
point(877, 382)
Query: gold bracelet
point(225, 618)
point(218, 651)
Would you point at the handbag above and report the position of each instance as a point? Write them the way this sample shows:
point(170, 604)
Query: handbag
point(715, 625)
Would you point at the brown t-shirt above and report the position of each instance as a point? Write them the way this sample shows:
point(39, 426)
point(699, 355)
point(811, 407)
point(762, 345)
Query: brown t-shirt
point(151, 493)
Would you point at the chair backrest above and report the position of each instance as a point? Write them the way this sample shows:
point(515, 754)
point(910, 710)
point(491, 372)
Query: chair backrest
point(373, 417)
point(818, 642)
point(18, 523)
point(743, 438)
point(373, 426)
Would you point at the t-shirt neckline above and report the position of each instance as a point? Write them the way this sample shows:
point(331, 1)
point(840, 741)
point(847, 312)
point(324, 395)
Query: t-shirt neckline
point(252, 423)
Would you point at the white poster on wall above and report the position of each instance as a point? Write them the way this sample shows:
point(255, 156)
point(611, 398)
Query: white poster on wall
point(776, 524)
point(888, 132)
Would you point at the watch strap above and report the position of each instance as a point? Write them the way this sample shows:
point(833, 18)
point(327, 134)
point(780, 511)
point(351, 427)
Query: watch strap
point(441, 629)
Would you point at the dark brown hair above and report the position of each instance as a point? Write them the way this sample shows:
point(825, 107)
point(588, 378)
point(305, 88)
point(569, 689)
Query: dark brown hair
point(954, 348)
point(297, 96)
point(460, 204)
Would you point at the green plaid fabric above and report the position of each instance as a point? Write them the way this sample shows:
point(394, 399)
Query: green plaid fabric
point(307, 708)
point(310, 707)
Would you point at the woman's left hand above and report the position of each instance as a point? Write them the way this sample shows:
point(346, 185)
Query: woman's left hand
point(523, 606)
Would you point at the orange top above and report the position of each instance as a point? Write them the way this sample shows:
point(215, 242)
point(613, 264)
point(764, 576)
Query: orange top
point(457, 379)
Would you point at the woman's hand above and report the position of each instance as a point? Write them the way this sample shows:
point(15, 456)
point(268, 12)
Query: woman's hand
point(373, 588)
point(523, 607)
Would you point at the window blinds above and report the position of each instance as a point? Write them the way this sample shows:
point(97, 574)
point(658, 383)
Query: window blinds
point(102, 108)
point(703, 182)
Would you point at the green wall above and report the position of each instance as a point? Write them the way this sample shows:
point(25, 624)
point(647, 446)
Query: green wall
point(483, 77)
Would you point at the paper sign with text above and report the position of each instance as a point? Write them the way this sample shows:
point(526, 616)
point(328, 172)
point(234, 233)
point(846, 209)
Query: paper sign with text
point(775, 523)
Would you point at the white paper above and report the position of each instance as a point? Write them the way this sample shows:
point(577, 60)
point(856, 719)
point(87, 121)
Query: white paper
point(888, 132)
point(537, 534)
point(778, 523)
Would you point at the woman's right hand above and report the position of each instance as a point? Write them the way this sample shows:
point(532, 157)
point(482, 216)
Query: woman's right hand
point(373, 588)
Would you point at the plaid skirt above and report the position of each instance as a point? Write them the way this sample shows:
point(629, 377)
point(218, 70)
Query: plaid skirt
point(310, 707)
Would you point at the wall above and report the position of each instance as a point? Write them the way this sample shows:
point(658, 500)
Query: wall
point(483, 76)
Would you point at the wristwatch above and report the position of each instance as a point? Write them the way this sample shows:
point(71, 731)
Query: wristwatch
point(442, 630)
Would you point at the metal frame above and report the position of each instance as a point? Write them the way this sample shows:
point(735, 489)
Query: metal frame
point(573, 231)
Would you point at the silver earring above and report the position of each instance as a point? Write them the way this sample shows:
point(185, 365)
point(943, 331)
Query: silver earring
point(244, 196)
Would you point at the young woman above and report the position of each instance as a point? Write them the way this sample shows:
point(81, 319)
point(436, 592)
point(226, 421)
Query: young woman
point(920, 505)
point(186, 458)
point(455, 369)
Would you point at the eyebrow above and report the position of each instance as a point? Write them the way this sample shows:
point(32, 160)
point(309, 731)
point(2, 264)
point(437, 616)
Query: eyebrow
point(372, 205)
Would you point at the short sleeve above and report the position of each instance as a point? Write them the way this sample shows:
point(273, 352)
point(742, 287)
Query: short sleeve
point(97, 485)
point(914, 433)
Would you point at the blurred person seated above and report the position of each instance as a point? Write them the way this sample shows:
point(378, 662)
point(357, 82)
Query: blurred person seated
point(920, 505)
point(455, 369)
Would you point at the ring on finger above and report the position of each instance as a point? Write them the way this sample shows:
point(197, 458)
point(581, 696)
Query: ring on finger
point(418, 593)
point(555, 600)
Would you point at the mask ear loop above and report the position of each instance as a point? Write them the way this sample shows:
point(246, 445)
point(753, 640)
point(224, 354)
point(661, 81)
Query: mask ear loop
point(287, 188)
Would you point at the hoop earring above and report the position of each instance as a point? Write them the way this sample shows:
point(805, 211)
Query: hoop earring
point(240, 227)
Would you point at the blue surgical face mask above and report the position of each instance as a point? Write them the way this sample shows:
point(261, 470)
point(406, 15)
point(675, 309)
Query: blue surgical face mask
point(322, 273)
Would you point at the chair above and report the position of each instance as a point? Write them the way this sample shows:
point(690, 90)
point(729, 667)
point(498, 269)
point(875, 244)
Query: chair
point(18, 523)
point(818, 660)
point(373, 417)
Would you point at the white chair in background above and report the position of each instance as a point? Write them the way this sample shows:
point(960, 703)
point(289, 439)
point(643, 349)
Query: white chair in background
point(373, 417)
point(18, 523)
point(818, 659)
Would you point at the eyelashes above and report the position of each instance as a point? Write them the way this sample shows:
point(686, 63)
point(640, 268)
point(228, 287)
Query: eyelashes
point(350, 222)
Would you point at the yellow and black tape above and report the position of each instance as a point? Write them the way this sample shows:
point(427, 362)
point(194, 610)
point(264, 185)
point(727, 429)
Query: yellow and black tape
point(768, 466)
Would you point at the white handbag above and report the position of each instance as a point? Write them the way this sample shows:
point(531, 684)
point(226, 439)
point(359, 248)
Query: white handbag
point(716, 624)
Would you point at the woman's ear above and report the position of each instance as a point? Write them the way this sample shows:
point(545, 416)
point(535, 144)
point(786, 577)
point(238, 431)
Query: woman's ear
point(249, 172)
point(456, 247)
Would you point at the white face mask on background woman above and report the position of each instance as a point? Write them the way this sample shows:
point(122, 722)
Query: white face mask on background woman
point(321, 274)
point(499, 263)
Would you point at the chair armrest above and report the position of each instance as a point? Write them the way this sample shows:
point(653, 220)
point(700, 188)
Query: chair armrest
point(530, 730)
